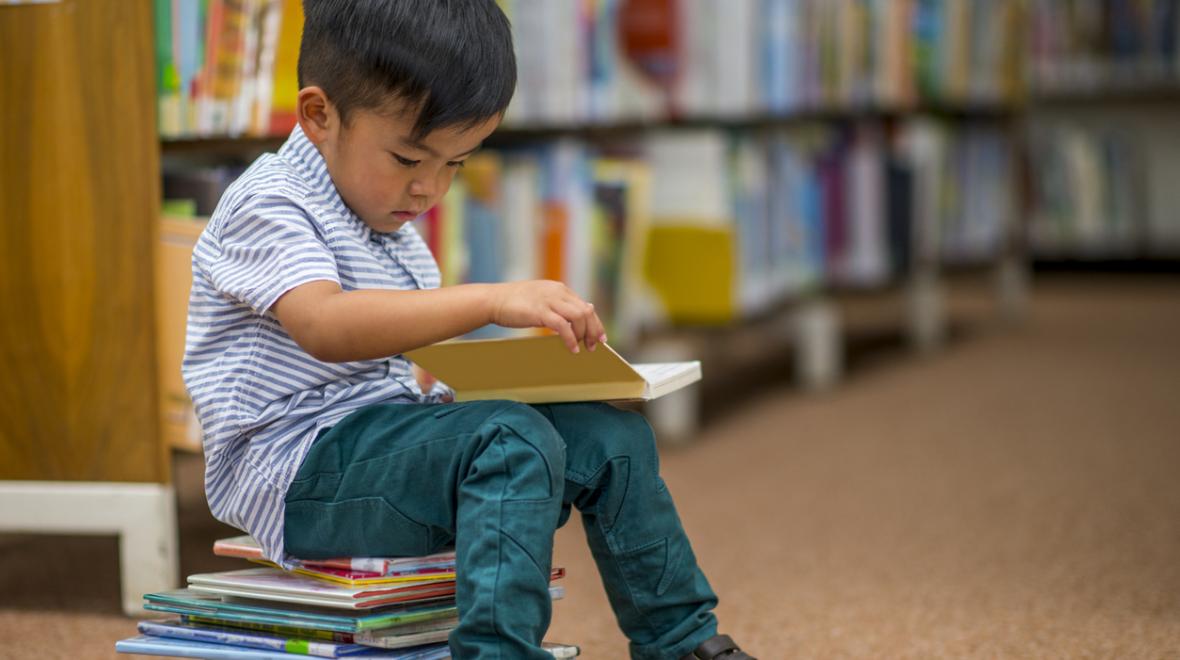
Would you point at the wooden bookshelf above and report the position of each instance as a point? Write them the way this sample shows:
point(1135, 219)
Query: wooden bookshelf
point(510, 134)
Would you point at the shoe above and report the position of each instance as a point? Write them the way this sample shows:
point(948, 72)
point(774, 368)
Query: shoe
point(718, 647)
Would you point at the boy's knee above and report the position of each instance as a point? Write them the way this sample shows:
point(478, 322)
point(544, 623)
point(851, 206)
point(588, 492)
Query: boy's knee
point(606, 433)
point(623, 432)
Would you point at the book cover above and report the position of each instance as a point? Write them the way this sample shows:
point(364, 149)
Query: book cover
point(368, 578)
point(543, 370)
point(279, 630)
point(279, 585)
point(385, 640)
point(183, 648)
point(256, 640)
point(436, 566)
point(189, 602)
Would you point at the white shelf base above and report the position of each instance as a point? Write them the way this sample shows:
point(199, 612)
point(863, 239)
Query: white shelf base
point(819, 345)
point(142, 515)
point(926, 312)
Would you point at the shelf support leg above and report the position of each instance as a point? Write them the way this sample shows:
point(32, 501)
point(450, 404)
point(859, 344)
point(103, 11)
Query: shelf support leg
point(819, 347)
point(926, 312)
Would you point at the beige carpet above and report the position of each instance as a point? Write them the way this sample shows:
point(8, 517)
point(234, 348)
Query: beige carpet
point(1017, 495)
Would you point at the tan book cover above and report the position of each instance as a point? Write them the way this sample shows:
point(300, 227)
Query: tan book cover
point(543, 370)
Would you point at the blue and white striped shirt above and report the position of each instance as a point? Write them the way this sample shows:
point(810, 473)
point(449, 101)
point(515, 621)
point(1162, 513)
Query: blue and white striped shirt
point(260, 398)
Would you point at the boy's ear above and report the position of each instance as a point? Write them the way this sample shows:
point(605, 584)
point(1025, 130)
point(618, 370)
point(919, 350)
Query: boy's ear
point(316, 114)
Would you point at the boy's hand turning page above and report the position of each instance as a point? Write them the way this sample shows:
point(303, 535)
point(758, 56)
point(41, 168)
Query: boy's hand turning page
point(543, 370)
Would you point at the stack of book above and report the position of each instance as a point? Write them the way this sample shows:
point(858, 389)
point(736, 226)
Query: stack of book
point(357, 607)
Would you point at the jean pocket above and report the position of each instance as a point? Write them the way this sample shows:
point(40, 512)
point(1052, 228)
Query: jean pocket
point(360, 527)
point(317, 486)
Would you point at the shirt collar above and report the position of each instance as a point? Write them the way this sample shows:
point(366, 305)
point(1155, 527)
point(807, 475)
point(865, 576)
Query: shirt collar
point(307, 160)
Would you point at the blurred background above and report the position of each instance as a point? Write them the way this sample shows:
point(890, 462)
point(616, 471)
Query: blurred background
point(928, 252)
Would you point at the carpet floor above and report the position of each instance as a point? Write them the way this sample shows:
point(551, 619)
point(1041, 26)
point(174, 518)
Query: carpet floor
point(1016, 495)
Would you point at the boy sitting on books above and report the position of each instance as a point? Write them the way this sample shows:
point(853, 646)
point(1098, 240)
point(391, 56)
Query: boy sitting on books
point(308, 285)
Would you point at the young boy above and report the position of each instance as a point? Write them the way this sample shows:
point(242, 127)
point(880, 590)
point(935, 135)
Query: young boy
point(309, 284)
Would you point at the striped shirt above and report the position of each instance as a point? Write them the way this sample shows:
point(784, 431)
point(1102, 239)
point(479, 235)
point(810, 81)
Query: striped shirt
point(259, 397)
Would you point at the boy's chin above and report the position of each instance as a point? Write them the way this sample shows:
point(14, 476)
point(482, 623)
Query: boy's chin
point(387, 224)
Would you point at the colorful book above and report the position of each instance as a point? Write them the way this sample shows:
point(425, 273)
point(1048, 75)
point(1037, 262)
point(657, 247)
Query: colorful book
point(369, 578)
point(192, 603)
point(274, 629)
point(279, 585)
point(256, 640)
point(185, 648)
point(189, 602)
point(245, 547)
point(405, 640)
point(317, 634)
point(276, 584)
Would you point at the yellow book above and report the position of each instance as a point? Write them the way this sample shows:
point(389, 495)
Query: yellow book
point(543, 370)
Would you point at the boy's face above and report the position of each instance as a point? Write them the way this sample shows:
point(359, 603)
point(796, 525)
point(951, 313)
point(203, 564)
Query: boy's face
point(381, 173)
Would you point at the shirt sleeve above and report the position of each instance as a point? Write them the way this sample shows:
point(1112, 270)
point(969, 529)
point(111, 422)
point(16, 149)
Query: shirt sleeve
point(266, 248)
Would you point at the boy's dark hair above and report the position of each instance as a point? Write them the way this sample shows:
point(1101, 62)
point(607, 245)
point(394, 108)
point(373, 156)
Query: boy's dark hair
point(451, 60)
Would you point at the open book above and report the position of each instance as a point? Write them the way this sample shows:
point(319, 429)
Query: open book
point(543, 370)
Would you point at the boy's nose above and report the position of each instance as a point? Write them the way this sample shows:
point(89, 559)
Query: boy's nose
point(420, 188)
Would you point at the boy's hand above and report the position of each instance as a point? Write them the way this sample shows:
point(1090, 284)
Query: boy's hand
point(547, 304)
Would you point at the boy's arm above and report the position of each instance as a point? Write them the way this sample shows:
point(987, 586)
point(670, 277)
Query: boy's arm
point(338, 326)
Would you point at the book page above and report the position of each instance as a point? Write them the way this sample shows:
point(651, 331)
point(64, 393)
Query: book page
point(657, 373)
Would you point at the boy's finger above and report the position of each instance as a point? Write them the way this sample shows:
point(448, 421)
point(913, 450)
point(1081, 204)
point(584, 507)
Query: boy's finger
point(556, 323)
point(575, 314)
point(596, 331)
point(593, 327)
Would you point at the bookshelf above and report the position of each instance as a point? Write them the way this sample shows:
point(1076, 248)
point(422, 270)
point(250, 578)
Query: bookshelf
point(80, 450)
point(1102, 117)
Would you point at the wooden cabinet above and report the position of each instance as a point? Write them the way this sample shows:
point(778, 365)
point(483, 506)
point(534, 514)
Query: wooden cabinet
point(80, 445)
point(79, 191)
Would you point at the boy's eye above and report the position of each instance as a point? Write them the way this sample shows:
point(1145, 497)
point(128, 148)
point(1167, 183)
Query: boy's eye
point(457, 164)
point(405, 161)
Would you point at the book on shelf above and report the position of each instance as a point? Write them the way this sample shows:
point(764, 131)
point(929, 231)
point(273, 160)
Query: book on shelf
point(628, 61)
point(1091, 194)
point(543, 370)
point(1096, 47)
point(226, 68)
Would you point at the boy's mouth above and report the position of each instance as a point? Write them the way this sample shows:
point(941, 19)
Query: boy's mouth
point(405, 215)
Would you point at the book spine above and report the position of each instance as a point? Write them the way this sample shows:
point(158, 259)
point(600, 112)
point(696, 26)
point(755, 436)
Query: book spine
point(167, 77)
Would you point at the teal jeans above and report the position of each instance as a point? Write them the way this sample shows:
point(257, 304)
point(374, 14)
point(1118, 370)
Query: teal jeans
point(496, 479)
